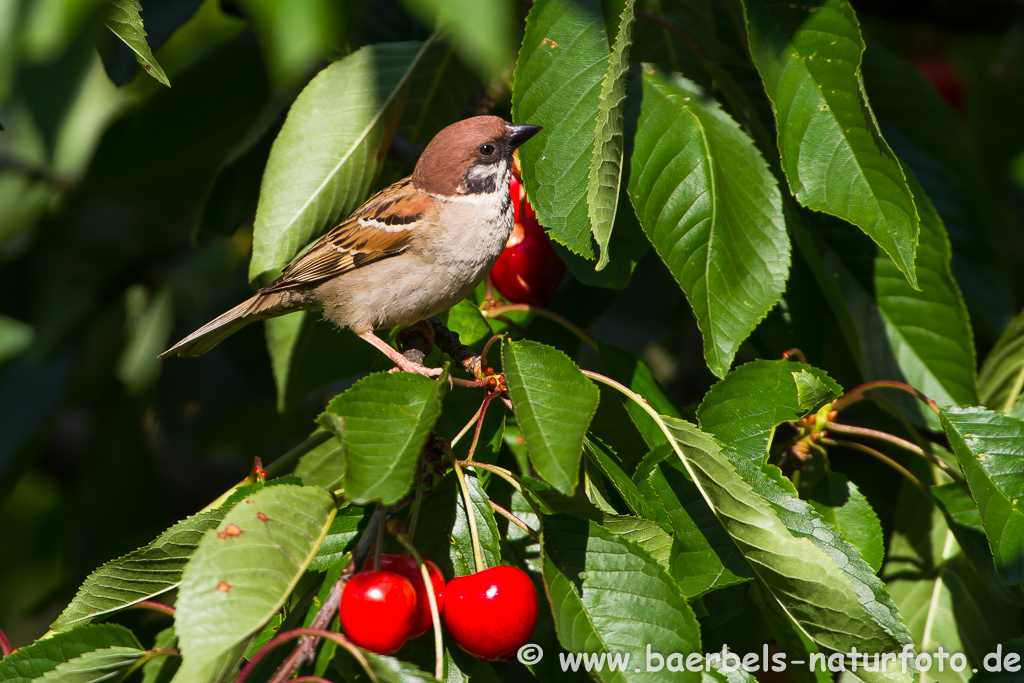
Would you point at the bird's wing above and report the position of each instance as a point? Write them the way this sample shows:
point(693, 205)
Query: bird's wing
point(384, 226)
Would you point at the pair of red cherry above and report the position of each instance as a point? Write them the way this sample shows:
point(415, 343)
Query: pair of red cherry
point(490, 614)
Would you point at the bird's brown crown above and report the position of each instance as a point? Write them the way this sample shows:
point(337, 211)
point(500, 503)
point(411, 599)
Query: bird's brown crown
point(444, 162)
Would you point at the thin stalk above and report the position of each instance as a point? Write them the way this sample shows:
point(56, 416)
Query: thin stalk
point(1018, 384)
point(502, 309)
point(418, 502)
point(379, 541)
point(515, 520)
point(795, 352)
point(298, 633)
point(285, 461)
point(474, 536)
point(897, 441)
point(5, 645)
point(154, 606)
point(479, 425)
point(857, 393)
point(472, 420)
point(878, 455)
point(507, 476)
point(435, 616)
point(487, 347)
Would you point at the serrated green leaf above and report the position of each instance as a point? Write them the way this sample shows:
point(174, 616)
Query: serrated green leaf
point(990, 448)
point(841, 504)
point(610, 596)
point(806, 564)
point(937, 359)
point(711, 208)
point(643, 506)
point(161, 669)
point(1002, 374)
point(833, 154)
point(35, 660)
point(242, 572)
point(443, 531)
point(324, 466)
point(388, 418)
point(342, 532)
point(743, 409)
point(140, 575)
point(570, 78)
point(95, 666)
point(329, 150)
point(647, 535)
point(554, 404)
point(943, 600)
point(124, 19)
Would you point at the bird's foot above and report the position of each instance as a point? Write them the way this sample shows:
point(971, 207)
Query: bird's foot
point(405, 365)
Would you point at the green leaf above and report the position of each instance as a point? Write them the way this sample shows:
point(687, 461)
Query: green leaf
point(634, 373)
point(841, 504)
point(329, 150)
point(1002, 373)
point(937, 359)
point(712, 210)
point(124, 19)
point(242, 572)
point(388, 418)
point(806, 564)
point(743, 409)
point(833, 154)
point(324, 466)
point(554, 404)
point(703, 556)
point(990, 448)
point(570, 78)
point(149, 321)
point(95, 666)
point(443, 531)
point(45, 655)
point(647, 535)
point(479, 29)
point(15, 338)
point(438, 94)
point(609, 596)
point(140, 575)
point(945, 603)
point(343, 531)
point(161, 669)
point(640, 505)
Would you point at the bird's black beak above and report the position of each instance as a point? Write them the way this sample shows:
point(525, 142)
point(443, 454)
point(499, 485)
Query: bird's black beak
point(521, 132)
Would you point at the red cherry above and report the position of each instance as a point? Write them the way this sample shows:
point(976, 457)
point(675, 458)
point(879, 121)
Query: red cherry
point(377, 610)
point(528, 271)
point(943, 76)
point(406, 566)
point(491, 614)
point(519, 201)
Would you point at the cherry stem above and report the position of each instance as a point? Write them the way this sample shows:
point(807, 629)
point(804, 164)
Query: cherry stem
point(297, 633)
point(507, 476)
point(5, 645)
point(487, 347)
point(474, 536)
point(795, 352)
point(418, 502)
point(857, 393)
point(897, 441)
point(285, 462)
point(435, 616)
point(479, 424)
point(515, 520)
point(154, 606)
point(379, 541)
point(1015, 389)
point(501, 309)
point(476, 416)
point(878, 455)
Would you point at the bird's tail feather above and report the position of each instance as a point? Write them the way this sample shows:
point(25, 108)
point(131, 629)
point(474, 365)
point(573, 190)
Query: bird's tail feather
point(259, 307)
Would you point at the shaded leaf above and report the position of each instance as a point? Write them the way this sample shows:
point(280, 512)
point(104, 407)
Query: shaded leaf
point(1002, 373)
point(95, 666)
point(479, 30)
point(44, 655)
point(712, 210)
point(242, 572)
point(388, 418)
point(610, 596)
point(343, 531)
point(554, 404)
point(833, 154)
point(841, 504)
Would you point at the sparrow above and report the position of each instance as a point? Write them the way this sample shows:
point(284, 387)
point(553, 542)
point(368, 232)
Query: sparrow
point(413, 250)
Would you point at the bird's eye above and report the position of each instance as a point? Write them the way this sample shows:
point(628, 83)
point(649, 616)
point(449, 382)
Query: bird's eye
point(487, 150)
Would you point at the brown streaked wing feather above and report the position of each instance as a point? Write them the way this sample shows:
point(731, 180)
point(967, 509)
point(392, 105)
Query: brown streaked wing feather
point(382, 227)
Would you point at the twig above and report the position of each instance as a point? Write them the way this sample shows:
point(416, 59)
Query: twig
point(154, 606)
point(878, 455)
point(857, 393)
point(515, 520)
point(500, 310)
point(306, 648)
point(479, 424)
point(298, 633)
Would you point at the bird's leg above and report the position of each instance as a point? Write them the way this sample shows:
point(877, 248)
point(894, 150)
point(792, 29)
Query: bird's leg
point(401, 361)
